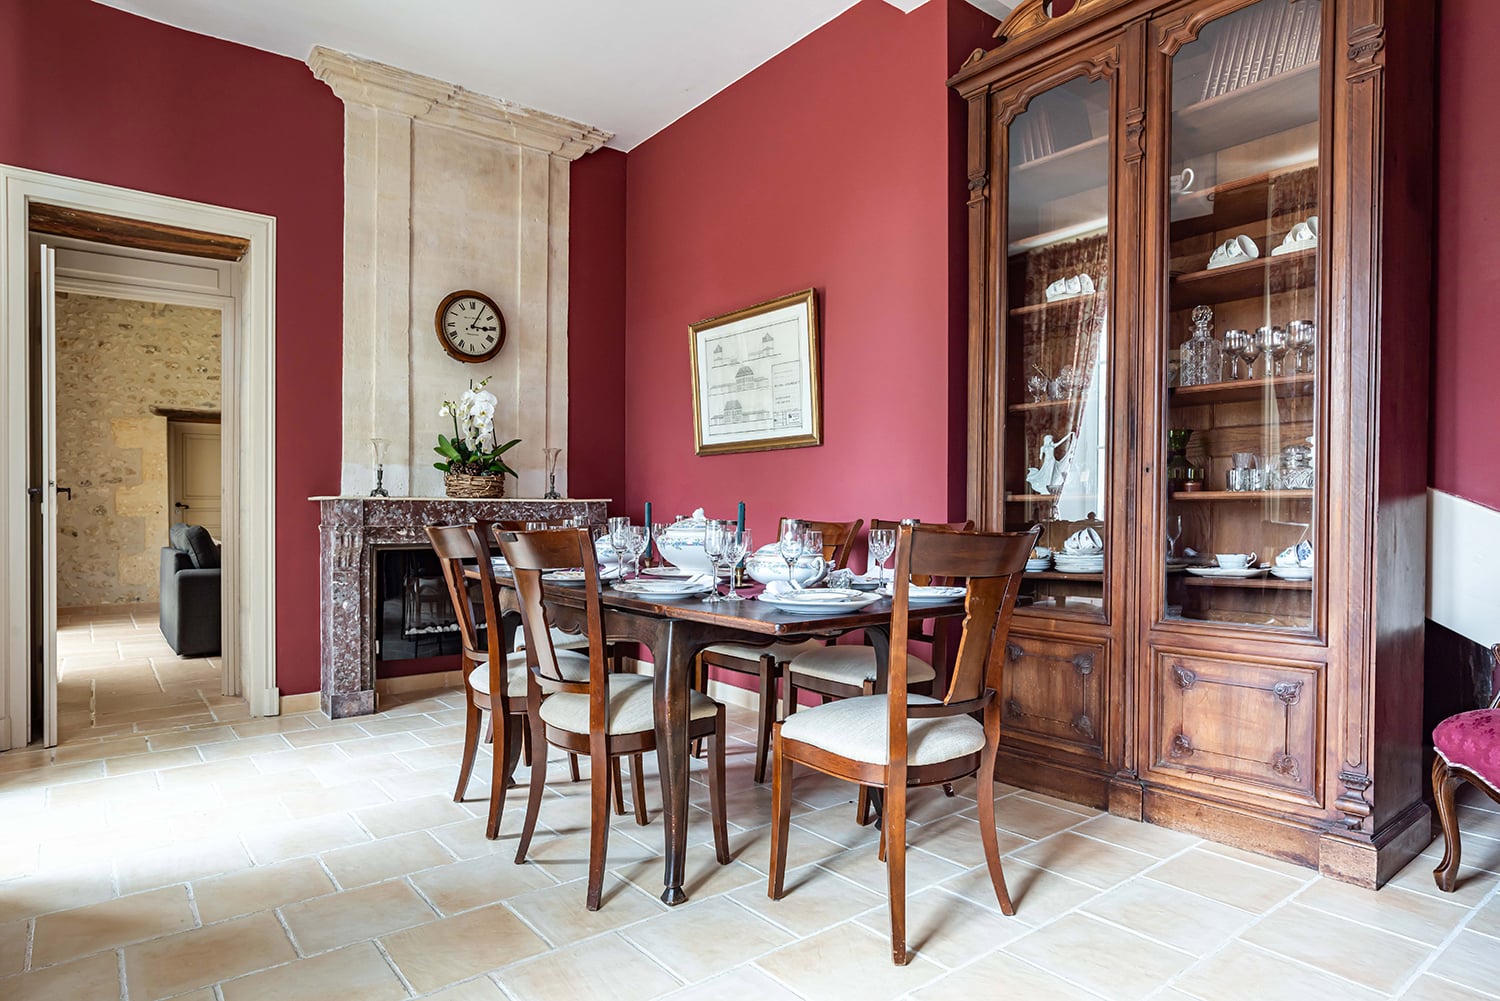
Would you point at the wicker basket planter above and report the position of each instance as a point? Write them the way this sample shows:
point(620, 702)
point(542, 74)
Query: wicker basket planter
point(468, 485)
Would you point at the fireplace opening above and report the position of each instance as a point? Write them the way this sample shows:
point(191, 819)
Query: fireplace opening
point(415, 613)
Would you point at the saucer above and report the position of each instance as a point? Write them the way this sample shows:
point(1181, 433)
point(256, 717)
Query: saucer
point(1239, 574)
point(1293, 573)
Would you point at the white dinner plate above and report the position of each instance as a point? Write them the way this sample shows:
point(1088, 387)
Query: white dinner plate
point(819, 600)
point(1293, 573)
point(572, 578)
point(1239, 574)
point(661, 588)
point(669, 572)
point(920, 593)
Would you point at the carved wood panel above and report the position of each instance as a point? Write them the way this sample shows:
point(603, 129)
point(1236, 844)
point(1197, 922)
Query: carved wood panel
point(1237, 723)
point(1054, 691)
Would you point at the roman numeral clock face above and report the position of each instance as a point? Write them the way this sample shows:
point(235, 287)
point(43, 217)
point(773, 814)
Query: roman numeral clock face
point(470, 326)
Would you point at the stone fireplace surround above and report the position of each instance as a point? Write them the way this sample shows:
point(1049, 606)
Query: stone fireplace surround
point(351, 531)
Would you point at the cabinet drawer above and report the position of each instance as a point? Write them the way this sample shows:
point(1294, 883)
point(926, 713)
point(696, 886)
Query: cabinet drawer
point(1238, 724)
point(1054, 692)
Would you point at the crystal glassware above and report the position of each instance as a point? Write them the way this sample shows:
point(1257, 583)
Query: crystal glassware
point(1202, 355)
point(1279, 346)
point(714, 542)
point(551, 456)
point(736, 545)
point(882, 544)
point(1174, 532)
point(1300, 333)
point(617, 528)
point(378, 446)
point(1250, 350)
point(790, 546)
point(1036, 385)
point(1234, 344)
point(659, 529)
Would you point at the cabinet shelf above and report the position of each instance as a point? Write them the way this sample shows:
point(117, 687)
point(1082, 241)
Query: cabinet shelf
point(1081, 167)
point(1087, 578)
point(1241, 495)
point(1240, 390)
point(1235, 203)
point(1046, 307)
point(1275, 104)
point(1021, 408)
point(1030, 498)
point(1249, 280)
point(1251, 583)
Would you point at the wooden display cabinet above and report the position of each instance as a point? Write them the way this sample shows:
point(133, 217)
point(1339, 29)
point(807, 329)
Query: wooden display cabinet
point(1116, 149)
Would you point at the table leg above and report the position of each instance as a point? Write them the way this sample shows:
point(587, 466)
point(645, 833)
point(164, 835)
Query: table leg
point(880, 639)
point(673, 659)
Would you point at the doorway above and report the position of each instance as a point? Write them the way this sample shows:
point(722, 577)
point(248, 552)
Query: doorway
point(248, 437)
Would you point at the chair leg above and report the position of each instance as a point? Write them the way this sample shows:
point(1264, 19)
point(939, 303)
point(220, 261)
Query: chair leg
point(616, 787)
point(781, 815)
point(1444, 782)
point(862, 797)
point(506, 749)
point(716, 791)
point(526, 746)
point(700, 684)
point(471, 750)
point(893, 831)
point(599, 778)
point(991, 840)
point(573, 767)
point(538, 783)
point(766, 716)
point(638, 787)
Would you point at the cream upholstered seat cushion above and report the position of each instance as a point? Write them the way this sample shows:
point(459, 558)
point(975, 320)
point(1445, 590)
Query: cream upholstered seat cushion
point(573, 665)
point(630, 708)
point(560, 639)
point(854, 665)
point(781, 651)
point(859, 729)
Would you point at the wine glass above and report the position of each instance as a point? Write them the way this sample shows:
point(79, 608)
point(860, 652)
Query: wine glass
point(659, 530)
point(1250, 350)
point(882, 544)
point(1234, 344)
point(713, 548)
point(1174, 532)
point(636, 540)
point(791, 546)
point(736, 545)
point(1278, 348)
point(618, 528)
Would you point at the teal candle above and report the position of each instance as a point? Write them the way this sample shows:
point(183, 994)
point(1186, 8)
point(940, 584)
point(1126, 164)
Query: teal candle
point(740, 519)
point(650, 542)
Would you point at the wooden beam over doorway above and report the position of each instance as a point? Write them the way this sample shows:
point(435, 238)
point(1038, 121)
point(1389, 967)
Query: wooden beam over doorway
point(118, 231)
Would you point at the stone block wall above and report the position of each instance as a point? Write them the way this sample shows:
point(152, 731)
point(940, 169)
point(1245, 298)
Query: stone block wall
point(116, 359)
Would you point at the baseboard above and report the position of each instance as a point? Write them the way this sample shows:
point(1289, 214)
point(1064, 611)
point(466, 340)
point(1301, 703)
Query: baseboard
point(418, 682)
point(141, 607)
point(1369, 862)
point(307, 703)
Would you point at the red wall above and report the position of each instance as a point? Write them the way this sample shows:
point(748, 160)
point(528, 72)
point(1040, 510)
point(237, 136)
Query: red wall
point(94, 93)
point(596, 326)
point(1466, 349)
point(829, 166)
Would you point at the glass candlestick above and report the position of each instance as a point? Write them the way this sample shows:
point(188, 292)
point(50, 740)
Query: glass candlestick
point(552, 455)
point(378, 447)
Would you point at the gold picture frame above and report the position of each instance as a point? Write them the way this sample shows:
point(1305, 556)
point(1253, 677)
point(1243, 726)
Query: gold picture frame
point(757, 380)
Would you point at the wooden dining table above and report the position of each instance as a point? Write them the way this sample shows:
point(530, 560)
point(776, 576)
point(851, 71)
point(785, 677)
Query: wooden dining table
point(675, 630)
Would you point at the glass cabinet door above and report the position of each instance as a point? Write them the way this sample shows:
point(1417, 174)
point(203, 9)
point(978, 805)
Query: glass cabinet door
point(1242, 339)
point(1057, 342)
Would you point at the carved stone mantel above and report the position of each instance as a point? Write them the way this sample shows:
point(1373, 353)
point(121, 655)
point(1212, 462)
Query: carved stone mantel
point(351, 530)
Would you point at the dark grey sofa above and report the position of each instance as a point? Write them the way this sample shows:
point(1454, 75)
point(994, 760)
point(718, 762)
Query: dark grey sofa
point(190, 592)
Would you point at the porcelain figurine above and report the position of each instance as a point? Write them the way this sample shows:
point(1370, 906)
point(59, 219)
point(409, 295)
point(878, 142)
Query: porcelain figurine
point(1048, 477)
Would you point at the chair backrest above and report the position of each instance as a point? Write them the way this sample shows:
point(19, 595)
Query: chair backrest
point(455, 545)
point(531, 554)
point(923, 580)
point(838, 537)
point(992, 564)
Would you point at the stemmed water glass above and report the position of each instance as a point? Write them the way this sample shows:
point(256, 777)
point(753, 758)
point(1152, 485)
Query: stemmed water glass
point(1174, 532)
point(882, 544)
point(636, 539)
point(714, 544)
point(791, 546)
point(736, 545)
point(659, 530)
point(1250, 350)
point(1278, 347)
point(1234, 345)
point(617, 529)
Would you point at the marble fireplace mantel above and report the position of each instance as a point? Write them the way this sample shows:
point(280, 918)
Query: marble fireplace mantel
point(351, 530)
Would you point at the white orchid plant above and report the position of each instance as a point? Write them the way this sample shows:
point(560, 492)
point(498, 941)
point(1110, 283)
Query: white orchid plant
point(474, 448)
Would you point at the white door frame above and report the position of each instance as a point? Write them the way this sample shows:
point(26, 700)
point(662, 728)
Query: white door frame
point(249, 579)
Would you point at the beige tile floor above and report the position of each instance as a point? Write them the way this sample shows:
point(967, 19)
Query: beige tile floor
point(301, 858)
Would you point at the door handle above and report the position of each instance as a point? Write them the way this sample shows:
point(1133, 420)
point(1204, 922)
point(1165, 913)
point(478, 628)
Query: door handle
point(35, 493)
point(180, 506)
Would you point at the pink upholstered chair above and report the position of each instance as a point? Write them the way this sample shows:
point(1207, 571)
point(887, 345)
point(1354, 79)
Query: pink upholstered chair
point(1468, 750)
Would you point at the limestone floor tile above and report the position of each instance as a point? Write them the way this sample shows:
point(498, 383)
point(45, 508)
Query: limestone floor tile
point(463, 886)
point(259, 889)
point(815, 899)
point(1240, 972)
point(383, 744)
point(248, 747)
point(341, 919)
point(204, 956)
point(478, 989)
point(271, 724)
point(1367, 956)
point(1031, 818)
point(753, 847)
point(835, 823)
point(606, 968)
point(1472, 960)
point(56, 890)
point(84, 931)
point(13, 938)
point(279, 842)
point(1169, 915)
point(356, 973)
point(1148, 839)
point(1084, 859)
point(1224, 879)
point(196, 737)
point(699, 940)
point(444, 952)
point(743, 984)
point(958, 840)
point(1474, 884)
point(1487, 918)
point(97, 976)
point(1093, 955)
point(946, 928)
point(1003, 971)
point(304, 803)
point(1394, 909)
point(98, 793)
point(566, 857)
point(153, 761)
point(374, 861)
point(558, 912)
point(101, 749)
point(863, 866)
point(1428, 988)
point(410, 815)
point(703, 876)
point(847, 961)
point(180, 862)
point(192, 780)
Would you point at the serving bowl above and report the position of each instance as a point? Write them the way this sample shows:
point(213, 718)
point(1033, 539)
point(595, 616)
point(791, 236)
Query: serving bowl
point(766, 565)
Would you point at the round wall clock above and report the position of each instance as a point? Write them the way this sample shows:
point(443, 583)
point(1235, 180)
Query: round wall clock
point(469, 326)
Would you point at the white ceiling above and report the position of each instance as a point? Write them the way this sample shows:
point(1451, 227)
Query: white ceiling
point(630, 67)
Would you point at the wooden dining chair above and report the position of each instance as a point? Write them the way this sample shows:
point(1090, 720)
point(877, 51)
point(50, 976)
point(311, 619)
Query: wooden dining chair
point(897, 739)
point(1468, 750)
point(842, 671)
point(487, 669)
point(765, 662)
point(605, 714)
point(487, 530)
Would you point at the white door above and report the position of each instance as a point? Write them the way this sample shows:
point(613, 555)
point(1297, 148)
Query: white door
point(194, 475)
point(43, 490)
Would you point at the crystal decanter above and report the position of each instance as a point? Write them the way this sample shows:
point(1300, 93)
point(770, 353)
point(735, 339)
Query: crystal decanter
point(1202, 357)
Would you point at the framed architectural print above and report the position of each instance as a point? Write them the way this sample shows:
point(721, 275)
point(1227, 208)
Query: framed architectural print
point(756, 379)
